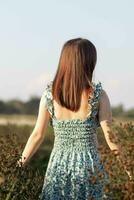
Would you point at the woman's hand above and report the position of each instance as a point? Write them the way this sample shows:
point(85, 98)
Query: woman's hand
point(129, 174)
point(20, 163)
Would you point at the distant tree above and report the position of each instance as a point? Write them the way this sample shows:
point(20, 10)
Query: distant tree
point(14, 106)
point(31, 106)
point(118, 110)
point(2, 107)
point(130, 113)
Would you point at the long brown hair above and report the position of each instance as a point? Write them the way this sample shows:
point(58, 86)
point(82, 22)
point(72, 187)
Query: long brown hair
point(74, 73)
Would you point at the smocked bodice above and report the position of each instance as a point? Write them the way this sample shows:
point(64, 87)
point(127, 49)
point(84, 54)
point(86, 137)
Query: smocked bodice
point(75, 132)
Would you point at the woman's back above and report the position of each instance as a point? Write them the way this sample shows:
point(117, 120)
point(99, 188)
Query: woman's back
point(62, 113)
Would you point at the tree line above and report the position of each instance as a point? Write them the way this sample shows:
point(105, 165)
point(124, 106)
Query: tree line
point(31, 107)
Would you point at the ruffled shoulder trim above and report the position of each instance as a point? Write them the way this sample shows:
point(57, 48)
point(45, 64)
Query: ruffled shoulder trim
point(96, 95)
point(48, 97)
point(98, 90)
point(95, 100)
point(48, 91)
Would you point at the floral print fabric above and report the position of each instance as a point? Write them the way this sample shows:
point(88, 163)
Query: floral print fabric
point(75, 170)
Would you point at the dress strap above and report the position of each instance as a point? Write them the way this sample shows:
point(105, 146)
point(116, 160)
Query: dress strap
point(96, 97)
point(49, 98)
point(95, 102)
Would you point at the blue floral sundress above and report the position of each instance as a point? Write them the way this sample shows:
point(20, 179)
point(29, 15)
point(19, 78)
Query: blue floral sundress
point(75, 170)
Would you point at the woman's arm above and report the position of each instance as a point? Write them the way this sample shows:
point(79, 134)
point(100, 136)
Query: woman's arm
point(105, 119)
point(38, 133)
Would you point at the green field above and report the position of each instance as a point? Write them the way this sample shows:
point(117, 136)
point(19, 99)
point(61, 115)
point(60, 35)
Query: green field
point(15, 183)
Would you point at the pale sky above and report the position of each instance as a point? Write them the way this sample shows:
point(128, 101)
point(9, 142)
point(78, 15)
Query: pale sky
point(32, 34)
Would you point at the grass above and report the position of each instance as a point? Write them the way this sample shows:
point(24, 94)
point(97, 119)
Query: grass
point(16, 184)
